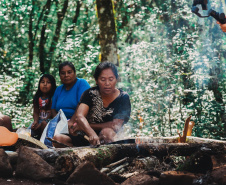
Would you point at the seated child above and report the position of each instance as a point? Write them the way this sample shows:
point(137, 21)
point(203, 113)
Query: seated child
point(42, 103)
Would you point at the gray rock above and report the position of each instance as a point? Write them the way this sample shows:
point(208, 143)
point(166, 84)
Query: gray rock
point(86, 173)
point(5, 166)
point(31, 165)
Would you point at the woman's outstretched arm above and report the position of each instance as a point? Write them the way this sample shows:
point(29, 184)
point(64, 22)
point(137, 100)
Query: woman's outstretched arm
point(84, 125)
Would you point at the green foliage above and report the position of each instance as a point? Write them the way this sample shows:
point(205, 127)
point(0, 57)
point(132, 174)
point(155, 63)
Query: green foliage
point(168, 62)
point(172, 63)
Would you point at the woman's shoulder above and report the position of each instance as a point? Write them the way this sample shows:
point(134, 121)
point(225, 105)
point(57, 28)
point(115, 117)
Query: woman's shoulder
point(91, 89)
point(59, 87)
point(82, 82)
point(123, 93)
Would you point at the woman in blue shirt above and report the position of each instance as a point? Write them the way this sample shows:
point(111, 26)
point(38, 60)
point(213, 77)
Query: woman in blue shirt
point(67, 95)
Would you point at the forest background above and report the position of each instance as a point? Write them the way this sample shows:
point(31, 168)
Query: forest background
point(172, 63)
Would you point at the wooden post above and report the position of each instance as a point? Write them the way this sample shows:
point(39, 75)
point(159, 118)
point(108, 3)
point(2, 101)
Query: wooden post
point(108, 37)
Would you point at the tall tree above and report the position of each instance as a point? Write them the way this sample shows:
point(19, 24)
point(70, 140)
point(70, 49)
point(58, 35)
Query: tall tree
point(60, 18)
point(108, 37)
point(43, 38)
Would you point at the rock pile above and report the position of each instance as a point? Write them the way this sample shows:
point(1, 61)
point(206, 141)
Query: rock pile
point(129, 171)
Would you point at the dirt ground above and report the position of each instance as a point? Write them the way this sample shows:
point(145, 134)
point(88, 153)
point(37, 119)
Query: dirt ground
point(16, 181)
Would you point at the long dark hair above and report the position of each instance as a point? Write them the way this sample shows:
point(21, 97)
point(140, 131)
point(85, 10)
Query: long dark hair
point(105, 65)
point(39, 92)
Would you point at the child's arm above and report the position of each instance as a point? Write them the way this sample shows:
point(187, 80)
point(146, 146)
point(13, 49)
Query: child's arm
point(35, 117)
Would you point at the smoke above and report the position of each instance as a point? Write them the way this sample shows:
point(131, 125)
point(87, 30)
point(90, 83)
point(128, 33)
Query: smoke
point(205, 54)
point(124, 132)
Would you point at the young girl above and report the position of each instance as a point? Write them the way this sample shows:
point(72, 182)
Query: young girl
point(42, 104)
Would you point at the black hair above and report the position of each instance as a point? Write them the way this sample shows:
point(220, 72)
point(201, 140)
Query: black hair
point(105, 65)
point(39, 92)
point(67, 63)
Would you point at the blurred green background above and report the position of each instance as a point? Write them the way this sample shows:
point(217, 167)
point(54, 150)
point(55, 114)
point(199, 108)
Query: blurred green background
point(172, 63)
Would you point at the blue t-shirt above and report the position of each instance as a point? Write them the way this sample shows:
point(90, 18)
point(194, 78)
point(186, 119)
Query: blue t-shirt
point(67, 100)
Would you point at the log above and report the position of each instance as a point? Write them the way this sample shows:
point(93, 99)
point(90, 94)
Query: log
point(191, 139)
point(108, 167)
point(67, 159)
point(118, 168)
point(50, 155)
point(117, 162)
point(175, 139)
point(25, 140)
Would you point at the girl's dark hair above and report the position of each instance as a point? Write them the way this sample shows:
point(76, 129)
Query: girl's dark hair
point(66, 63)
point(39, 92)
point(105, 65)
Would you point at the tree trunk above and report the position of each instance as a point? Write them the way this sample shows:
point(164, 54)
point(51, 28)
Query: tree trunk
point(28, 84)
point(31, 41)
point(108, 37)
point(42, 51)
point(75, 19)
point(60, 17)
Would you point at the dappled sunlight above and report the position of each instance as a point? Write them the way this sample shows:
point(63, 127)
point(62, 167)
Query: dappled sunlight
point(172, 63)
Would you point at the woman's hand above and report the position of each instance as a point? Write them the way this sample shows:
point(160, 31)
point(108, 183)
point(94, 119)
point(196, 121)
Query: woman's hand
point(73, 127)
point(94, 140)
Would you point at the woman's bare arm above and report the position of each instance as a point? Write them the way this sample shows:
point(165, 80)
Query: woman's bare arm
point(83, 124)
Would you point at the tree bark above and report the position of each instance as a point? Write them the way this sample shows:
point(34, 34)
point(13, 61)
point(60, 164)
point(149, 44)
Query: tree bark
point(60, 16)
point(75, 19)
point(31, 41)
point(108, 37)
point(42, 51)
point(28, 83)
